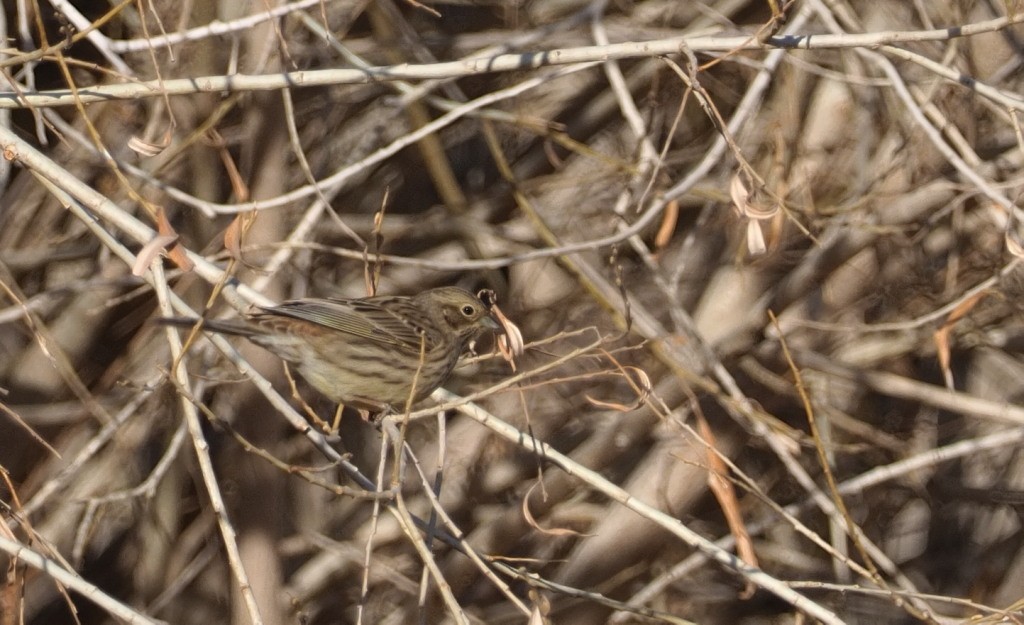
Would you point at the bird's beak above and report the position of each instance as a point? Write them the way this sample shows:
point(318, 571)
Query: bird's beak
point(491, 323)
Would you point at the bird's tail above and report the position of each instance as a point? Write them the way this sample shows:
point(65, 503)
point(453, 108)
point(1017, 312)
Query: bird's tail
point(234, 328)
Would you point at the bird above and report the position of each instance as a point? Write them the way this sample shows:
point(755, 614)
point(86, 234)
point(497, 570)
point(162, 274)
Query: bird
point(375, 354)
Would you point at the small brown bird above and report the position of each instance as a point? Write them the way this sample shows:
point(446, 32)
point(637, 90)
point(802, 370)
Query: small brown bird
point(367, 352)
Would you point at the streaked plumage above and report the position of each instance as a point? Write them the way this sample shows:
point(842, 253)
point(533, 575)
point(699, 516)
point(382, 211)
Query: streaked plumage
point(366, 352)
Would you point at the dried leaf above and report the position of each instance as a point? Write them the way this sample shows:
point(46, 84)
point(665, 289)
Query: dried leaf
point(941, 336)
point(235, 231)
point(143, 148)
point(642, 386)
point(150, 251)
point(609, 405)
point(755, 239)
point(552, 154)
point(147, 148)
point(1013, 244)
point(533, 522)
point(372, 268)
point(510, 343)
point(725, 494)
point(748, 208)
point(238, 186)
point(174, 251)
point(669, 219)
point(738, 193)
point(541, 608)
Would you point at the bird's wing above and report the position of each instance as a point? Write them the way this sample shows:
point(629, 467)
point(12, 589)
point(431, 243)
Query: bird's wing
point(398, 323)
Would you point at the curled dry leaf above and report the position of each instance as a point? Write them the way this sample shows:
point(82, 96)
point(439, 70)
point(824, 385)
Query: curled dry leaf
point(148, 148)
point(536, 617)
point(669, 220)
point(738, 193)
point(238, 185)
point(1012, 238)
point(640, 382)
point(600, 403)
point(724, 492)
point(150, 251)
point(755, 239)
point(541, 608)
point(143, 148)
point(510, 343)
point(753, 212)
point(532, 522)
point(1013, 242)
point(941, 336)
point(174, 251)
point(233, 234)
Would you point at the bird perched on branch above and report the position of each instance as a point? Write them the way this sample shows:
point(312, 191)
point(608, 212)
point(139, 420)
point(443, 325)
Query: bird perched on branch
point(371, 353)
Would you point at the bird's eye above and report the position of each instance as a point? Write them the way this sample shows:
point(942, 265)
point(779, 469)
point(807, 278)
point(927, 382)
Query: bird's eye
point(468, 310)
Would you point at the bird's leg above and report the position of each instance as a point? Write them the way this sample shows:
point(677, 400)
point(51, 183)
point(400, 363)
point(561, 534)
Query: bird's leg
point(337, 417)
point(373, 411)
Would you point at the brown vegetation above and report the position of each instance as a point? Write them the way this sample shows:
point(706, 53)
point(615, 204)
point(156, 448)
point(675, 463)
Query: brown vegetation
point(768, 284)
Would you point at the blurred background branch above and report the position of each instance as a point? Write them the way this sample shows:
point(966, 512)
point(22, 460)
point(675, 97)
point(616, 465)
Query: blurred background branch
point(643, 185)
